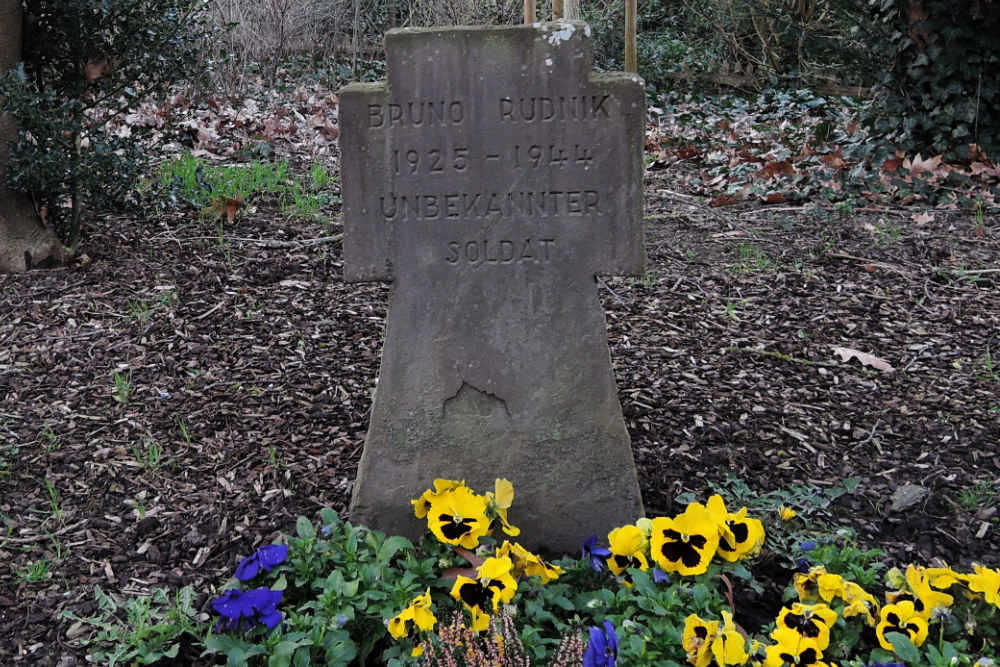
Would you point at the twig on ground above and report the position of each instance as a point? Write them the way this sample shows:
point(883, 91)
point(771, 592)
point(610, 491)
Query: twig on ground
point(919, 354)
point(618, 298)
point(43, 536)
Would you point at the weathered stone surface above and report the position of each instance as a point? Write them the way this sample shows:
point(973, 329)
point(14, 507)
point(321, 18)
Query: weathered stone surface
point(490, 180)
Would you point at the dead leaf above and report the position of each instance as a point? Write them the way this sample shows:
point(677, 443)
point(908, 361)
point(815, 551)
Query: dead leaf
point(922, 218)
point(980, 168)
point(228, 206)
point(892, 164)
point(919, 165)
point(453, 573)
point(469, 556)
point(725, 200)
point(775, 169)
point(977, 154)
point(866, 359)
point(95, 70)
point(835, 160)
point(470, 572)
point(907, 496)
point(76, 630)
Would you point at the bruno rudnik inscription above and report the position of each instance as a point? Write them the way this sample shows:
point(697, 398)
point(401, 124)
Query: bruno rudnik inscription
point(490, 179)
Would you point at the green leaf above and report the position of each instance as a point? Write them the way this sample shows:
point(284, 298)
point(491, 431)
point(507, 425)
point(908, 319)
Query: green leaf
point(903, 647)
point(305, 528)
point(563, 603)
point(237, 658)
point(341, 652)
point(851, 484)
point(329, 517)
point(281, 654)
point(391, 547)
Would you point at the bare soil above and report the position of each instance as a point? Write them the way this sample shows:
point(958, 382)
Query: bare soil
point(187, 394)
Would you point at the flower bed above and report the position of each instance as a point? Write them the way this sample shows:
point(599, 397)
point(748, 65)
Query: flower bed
point(661, 592)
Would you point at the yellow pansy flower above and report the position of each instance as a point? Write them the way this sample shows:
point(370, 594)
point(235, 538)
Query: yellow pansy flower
point(458, 517)
point(830, 586)
point(499, 501)
point(811, 621)
point(739, 535)
point(419, 613)
point(986, 582)
point(944, 577)
point(493, 584)
point(729, 647)
point(686, 543)
point(858, 602)
point(628, 546)
point(793, 650)
point(697, 640)
point(528, 564)
point(495, 574)
point(807, 585)
point(423, 504)
point(917, 589)
point(786, 513)
point(903, 618)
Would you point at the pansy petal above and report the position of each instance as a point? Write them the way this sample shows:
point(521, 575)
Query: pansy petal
point(230, 604)
point(504, 497)
point(612, 637)
point(248, 568)
point(271, 619)
point(272, 555)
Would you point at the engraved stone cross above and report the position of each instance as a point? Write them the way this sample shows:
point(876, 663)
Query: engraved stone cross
point(490, 180)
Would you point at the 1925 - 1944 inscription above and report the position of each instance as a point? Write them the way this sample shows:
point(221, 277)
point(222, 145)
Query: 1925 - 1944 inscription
point(490, 179)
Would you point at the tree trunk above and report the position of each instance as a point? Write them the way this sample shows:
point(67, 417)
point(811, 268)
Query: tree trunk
point(571, 10)
point(25, 241)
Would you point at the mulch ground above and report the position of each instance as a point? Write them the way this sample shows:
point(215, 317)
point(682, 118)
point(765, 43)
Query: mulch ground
point(186, 395)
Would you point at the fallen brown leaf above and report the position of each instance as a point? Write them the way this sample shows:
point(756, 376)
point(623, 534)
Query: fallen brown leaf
point(866, 359)
point(228, 206)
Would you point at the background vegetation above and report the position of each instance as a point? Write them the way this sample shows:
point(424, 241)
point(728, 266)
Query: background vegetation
point(923, 68)
point(85, 63)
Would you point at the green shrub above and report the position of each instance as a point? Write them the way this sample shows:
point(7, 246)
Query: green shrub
point(87, 63)
point(770, 43)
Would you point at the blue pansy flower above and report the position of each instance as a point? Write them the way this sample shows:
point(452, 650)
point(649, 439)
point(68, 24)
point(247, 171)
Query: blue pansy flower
point(602, 651)
point(660, 577)
point(241, 609)
point(267, 558)
point(598, 556)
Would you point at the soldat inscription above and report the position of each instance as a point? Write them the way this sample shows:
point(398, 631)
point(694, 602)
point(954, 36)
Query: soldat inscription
point(500, 252)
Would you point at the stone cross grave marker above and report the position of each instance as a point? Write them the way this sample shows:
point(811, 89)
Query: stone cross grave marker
point(490, 179)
